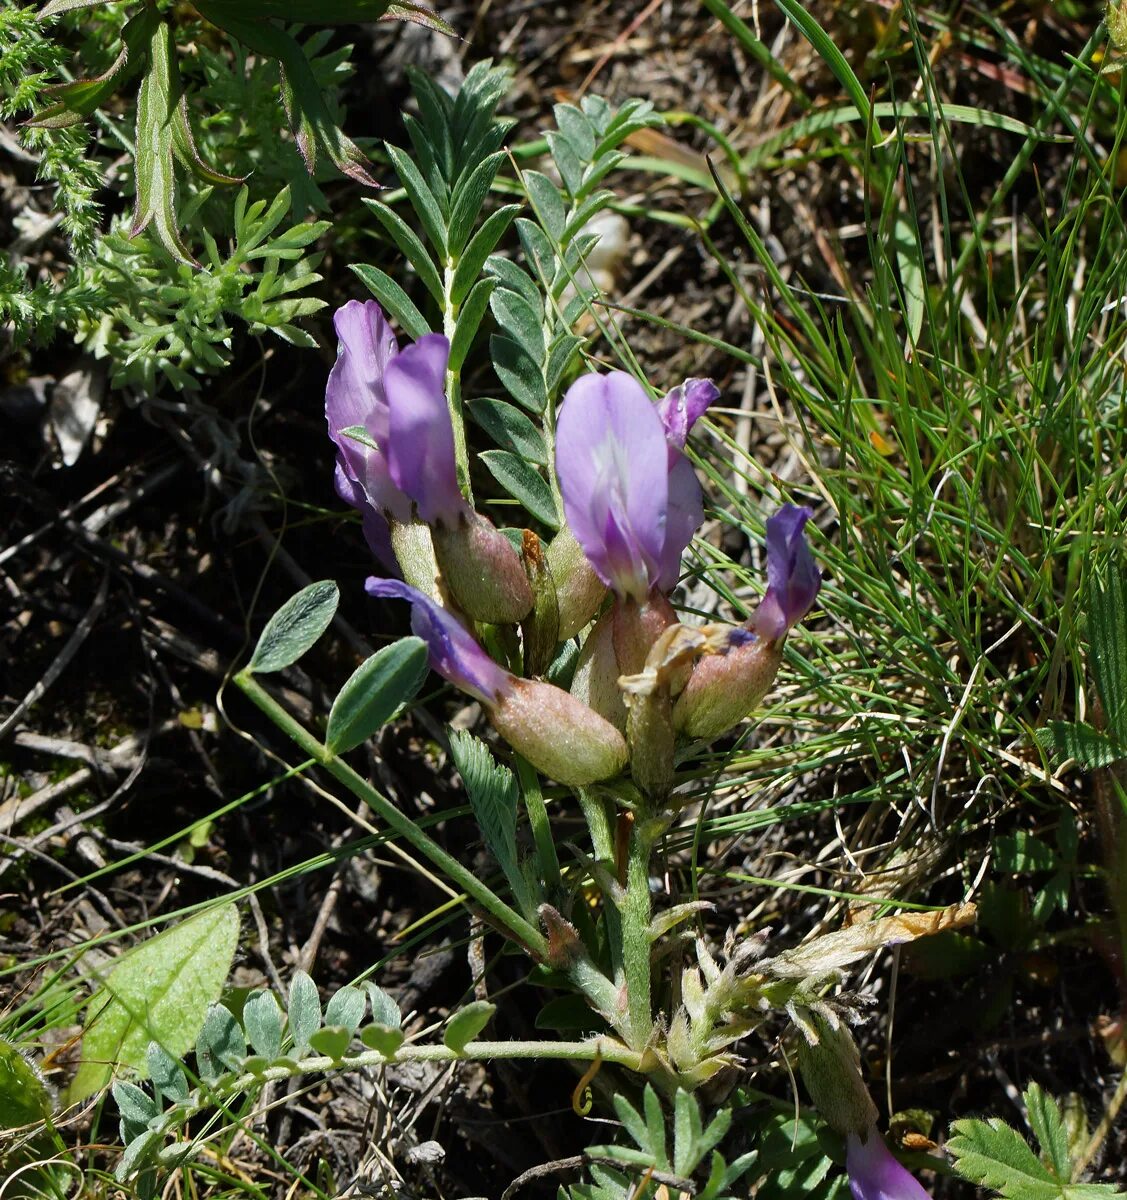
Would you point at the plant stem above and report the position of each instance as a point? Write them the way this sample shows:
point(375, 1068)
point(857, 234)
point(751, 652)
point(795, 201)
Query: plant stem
point(454, 382)
point(596, 811)
point(636, 944)
point(505, 916)
point(538, 819)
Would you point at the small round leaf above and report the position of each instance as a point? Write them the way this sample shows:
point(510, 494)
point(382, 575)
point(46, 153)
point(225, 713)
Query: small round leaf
point(295, 627)
point(374, 692)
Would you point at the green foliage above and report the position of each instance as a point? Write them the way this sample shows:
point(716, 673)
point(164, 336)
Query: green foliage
point(293, 629)
point(158, 992)
point(24, 1097)
point(164, 318)
point(1107, 637)
point(375, 692)
point(693, 1142)
point(992, 1155)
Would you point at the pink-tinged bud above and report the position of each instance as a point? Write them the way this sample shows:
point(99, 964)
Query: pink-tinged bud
point(558, 734)
point(874, 1174)
point(540, 630)
point(725, 688)
point(579, 590)
point(830, 1065)
point(482, 570)
point(637, 628)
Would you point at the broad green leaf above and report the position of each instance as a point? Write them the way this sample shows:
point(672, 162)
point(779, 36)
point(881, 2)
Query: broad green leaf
point(993, 1155)
point(510, 429)
point(519, 321)
point(80, 97)
point(481, 246)
point(465, 1024)
point(513, 277)
point(467, 200)
point(24, 1097)
point(155, 173)
point(375, 692)
point(423, 201)
point(221, 1045)
point(547, 203)
point(1022, 853)
point(133, 1103)
point(1047, 1123)
point(331, 1041)
point(469, 321)
point(293, 629)
point(384, 1009)
point(410, 246)
point(166, 1073)
point(1089, 747)
point(1107, 631)
point(905, 241)
point(519, 372)
point(346, 1008)
point(393, 298)
point(262, 1019)
point(157, 992)
point(304, 1011)
point(382, 1038)
point(523, 483)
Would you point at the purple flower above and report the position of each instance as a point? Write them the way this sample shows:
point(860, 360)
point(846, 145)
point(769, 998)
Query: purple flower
point(398, 399)
point(874, 1174)
point(630, 496)
point(684, 406)
point(355, 396)
point(420, 450)
point(557, 733)
point(452, 652)
point(793, 578)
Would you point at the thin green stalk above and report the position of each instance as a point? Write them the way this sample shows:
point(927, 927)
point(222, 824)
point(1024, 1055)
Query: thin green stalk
point(538, 818)
point(505, 916)
point(454, 381)
point(636, 944)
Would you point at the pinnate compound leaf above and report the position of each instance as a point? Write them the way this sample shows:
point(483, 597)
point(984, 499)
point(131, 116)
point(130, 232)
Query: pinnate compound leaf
point(510, 429)
point(293, 629)
point(24, 1097)
point(519, 372)
point(1047, 1123)
point(262, 1019)
point(346, 1008)
point(493, 794)
point(469, 321)
point(157, 992)
point(1107, 631)
point(393, 298)
point(305, 1011)
point(375, 692)
point(465, 1024)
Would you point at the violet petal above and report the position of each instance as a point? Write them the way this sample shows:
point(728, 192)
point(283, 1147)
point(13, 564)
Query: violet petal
point(611, 459)
point(452, 652)
point(793, 579)
point(684, 406)
point(420, 449)
point(874, 1174)
point(684, 517)
point(354, 396)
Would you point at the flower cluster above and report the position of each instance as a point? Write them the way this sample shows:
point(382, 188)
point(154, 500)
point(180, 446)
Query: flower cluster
point(632, 503)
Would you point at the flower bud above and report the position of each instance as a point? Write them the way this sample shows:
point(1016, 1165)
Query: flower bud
point(595, 682)
point(541, 628)
point(579, 590)
point(723, 689)
point(831, 1069)
point(482, 570)
point(558, 734)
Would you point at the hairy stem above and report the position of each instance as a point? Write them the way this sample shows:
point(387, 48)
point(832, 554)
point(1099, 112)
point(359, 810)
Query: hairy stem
point(636, 945)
